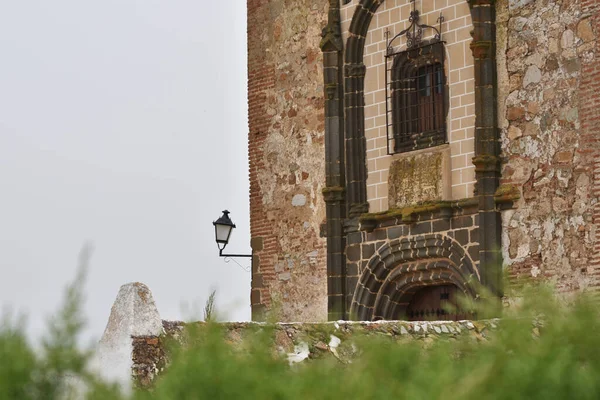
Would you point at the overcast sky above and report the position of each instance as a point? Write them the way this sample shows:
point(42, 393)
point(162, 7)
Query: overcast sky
point(122, 123)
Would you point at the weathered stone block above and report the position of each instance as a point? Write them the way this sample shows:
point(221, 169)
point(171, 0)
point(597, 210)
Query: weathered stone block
point(419, 176)
point(256, 243)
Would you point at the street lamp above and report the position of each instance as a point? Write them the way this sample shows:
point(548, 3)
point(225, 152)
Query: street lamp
point(223, 228)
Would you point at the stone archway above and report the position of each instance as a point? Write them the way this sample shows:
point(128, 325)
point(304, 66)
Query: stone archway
point(399, 292)
point(402, 266)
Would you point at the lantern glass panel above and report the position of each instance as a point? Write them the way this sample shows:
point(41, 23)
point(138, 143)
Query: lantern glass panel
point(222, 233)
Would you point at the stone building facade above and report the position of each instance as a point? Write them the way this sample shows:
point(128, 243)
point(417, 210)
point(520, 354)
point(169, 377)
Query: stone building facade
point(424, 150)
point(286, 147)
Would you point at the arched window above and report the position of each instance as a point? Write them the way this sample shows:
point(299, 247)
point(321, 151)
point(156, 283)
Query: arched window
point(417, 94)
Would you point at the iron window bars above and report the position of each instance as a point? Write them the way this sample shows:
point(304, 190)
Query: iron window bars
point(415, 84)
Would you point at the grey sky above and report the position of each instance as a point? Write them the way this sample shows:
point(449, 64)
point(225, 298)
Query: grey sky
point(122, 123)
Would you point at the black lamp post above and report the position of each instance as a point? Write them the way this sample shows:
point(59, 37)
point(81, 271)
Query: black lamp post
point(223, 228)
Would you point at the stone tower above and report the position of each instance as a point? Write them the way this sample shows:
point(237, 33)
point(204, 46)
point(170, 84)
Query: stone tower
point(427, 147)
point(286, 150)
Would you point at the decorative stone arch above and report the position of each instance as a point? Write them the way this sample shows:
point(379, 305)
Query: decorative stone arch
point(486, 134)
point(487, 148)
point(354, 103)
point(401, 266)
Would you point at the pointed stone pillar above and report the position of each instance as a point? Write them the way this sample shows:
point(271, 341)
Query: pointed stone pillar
point(133, 314)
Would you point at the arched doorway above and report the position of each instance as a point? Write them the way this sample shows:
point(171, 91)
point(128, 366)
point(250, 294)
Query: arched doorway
point(395, 276)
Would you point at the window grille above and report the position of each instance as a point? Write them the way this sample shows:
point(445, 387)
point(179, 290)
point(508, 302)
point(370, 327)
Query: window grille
point(416, 89)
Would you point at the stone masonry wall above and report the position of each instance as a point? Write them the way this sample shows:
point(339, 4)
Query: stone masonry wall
point(547, 52)
point(300, 342)
point(286, 150)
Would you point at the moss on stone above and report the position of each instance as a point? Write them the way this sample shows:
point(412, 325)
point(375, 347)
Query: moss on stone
point(507, 193)
point(407, 214)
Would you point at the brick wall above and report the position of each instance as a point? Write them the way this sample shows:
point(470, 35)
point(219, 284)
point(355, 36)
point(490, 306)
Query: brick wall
point(261, 77)
point(286, 151)
point(590, 122)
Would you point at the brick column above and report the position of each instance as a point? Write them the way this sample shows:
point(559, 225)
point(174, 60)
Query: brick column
point(589, 151)
point(261, 78)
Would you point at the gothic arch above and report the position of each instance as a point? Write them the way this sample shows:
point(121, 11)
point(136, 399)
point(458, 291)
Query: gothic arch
point(354, 80)
point(361, 20)
point(403, 265)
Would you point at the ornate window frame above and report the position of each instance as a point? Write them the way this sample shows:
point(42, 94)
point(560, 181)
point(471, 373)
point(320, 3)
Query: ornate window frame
point(415, 114)
point(342, 284)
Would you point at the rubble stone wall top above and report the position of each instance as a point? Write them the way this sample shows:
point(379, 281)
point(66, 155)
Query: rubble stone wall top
point(300, 342)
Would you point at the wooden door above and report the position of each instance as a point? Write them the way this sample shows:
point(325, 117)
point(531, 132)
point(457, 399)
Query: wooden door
point(438, 303)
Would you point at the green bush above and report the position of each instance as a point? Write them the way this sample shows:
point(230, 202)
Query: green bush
point(543, 350)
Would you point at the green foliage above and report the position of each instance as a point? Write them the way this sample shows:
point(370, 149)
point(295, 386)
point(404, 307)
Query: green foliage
point(17, 360)
point(57, 370)
point(542, 349)
point(209, 307)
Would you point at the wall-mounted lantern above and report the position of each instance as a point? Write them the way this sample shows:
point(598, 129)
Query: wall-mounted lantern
point(223, 228)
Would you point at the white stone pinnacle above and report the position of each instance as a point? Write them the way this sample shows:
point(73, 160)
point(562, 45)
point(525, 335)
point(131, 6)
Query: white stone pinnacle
point(133, 314)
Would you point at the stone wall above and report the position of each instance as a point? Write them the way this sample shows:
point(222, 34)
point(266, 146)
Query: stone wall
point(302, 341)
point(286, 150)
point(548, 101)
